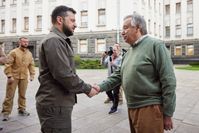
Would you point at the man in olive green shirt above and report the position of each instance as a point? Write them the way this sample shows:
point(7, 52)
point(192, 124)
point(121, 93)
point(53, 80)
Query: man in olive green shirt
point(59, 82)
point(147, 77)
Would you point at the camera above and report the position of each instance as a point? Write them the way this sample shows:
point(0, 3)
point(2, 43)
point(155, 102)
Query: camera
point(110, 52)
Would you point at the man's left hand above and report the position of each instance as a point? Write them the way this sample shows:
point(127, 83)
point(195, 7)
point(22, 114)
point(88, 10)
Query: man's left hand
point(168, 124)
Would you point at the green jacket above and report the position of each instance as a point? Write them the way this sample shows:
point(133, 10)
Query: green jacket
point(146, 75)
point(57, 75)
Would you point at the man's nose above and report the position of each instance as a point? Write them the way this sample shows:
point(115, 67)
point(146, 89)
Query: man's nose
point(75, 25)
point(122, 33)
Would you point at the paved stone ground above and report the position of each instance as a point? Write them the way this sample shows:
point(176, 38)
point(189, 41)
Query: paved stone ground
point(90, 115)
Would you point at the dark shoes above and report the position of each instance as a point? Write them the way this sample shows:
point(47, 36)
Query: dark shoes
point(1, 128)
point(23, 113)
point(5, 117)
point(113, 110)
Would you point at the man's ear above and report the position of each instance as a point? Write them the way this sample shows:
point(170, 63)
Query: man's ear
point(59, 20)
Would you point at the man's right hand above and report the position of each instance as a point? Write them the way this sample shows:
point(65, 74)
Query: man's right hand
point(92, 93)
point(10, 80)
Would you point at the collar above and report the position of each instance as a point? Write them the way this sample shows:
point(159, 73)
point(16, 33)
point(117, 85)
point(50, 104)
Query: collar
point(23, 49)
point(139, 40)
point(61, 34)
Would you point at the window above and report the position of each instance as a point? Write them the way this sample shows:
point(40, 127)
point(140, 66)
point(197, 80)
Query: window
point(178, 8)
point(167, 9)
point(189, 6)
point(155, 29)
point(189, 29)
point(39, 22)
point(167, 31)
point(178, 30)
point(189, 50)
point(149, 26)
point(26, 23)
point(2, 26)
point(13, 2)
point(160, 31)
point(189, 17)
point(100, 46)
point(84, 18)
point(149, 4)
point(26, 1)
point(83, 46)
point(14, 25)
point(178, 50)
point(3, 2)
point(101, 16)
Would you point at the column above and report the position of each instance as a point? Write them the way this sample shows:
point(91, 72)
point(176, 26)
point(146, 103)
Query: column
point(184, 18)
point(19, 18)
point(195, 19)
point(45, 18)
point(172, 19)
point(7, 18)
point(32, 17)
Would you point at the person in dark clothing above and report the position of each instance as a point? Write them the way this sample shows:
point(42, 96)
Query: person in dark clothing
point(59, 82)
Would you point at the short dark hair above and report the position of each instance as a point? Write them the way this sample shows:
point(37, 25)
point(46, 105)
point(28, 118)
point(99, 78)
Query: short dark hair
point(60, 11)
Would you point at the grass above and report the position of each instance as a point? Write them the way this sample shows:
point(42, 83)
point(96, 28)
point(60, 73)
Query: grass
point(189, 67)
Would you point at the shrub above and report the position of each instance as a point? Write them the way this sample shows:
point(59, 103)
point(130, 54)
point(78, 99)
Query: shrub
point(194, 64)
point(77, 60)
point(88, 63)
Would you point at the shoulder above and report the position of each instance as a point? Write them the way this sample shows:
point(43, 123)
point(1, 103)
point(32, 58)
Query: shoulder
point(52, 41)
point(14, 51)
point(153, 42)
point(50, 37)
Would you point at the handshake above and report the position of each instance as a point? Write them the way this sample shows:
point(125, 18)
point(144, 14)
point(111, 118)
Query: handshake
point(94, 91)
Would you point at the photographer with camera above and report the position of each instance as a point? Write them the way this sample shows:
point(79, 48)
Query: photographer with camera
point(112, 60)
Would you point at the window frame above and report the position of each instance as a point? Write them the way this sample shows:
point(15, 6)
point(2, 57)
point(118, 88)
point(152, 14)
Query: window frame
point(26, 23)
point(101, 16)
point(187, 49)
point(175, 53)
point(84, 16)
point(80, 44)
point(97, 44)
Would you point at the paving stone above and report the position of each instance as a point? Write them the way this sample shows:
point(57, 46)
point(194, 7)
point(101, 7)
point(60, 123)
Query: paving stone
point(90, 115)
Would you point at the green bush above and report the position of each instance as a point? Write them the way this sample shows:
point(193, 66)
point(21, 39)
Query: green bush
point(77, 60)
point(83, 64)
point(87, 64)
point(194, 64)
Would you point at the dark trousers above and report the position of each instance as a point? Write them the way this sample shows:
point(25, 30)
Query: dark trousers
point(114, 96)
point(55, 119)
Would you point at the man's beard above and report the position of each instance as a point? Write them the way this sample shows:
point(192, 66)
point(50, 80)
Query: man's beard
point(24, 46)
point(66, 30)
